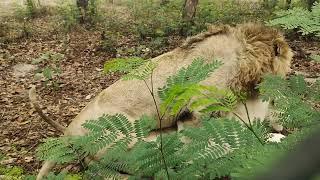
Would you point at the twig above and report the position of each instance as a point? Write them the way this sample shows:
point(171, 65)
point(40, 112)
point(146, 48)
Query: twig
point(250, 128)
point(151, 90)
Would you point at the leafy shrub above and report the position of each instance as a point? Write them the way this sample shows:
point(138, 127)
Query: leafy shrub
point(11, 172)
point(69, 14)
point(154, 20)
point(227, 12)
point(299, 19)
point(31, 9)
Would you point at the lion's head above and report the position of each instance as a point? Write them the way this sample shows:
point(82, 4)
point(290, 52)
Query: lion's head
point(265, 51)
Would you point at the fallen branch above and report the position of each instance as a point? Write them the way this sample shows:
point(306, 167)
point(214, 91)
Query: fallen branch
point(35, 104)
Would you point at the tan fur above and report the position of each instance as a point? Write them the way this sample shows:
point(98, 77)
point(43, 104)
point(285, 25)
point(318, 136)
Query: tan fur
point(247, 51)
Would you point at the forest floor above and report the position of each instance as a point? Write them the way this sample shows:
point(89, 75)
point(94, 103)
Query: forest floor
point(81, 79)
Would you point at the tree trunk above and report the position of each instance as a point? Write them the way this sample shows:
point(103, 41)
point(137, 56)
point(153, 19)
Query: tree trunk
point(188, 14)
point(83, 8)
point(288, 4)
point(189, 10)
point(163, 2)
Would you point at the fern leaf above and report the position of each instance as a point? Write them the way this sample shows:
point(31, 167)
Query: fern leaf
point(143, 126)
point(105, 132)
point(148, 158)
point(122, 65)
point(143, 72)
point(298, 18)
point(181, 88)
point(213, 99)
point(290, 99)
point(57, 149)
point(298, 85)
point(193, 74)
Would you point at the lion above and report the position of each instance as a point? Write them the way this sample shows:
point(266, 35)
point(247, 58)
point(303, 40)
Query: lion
point(248, 52)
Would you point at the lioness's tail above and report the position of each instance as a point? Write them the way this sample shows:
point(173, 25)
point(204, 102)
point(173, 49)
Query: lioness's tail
point(34, 102)
point(45, 169)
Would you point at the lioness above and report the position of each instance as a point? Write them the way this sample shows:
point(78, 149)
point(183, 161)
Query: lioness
point(247, 51)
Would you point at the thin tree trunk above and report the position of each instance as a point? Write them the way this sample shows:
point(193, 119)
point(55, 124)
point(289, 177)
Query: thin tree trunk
point(83, 8)
point(288, 4)
point(189, 10)
point(188, 14)
point(163, 2)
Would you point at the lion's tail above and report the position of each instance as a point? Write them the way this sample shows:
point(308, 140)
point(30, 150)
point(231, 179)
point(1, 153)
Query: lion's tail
point(45, 169)
point(34, 102)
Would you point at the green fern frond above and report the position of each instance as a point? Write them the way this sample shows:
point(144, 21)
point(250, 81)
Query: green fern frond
point(298, 18)
point(314, 92)
point(147, 156)
point(213, 99)
point(52, 176)
point(179, 96)
point(57, 149)
point(291, 99)
point(143, 126)
point(215, 139)
point(103, 170)
point(193, 74)
point(298, 85)
point(143, 72)
point(106, 132)
point(213, 148)
point(122, 65)
point(182, 87)
point(273, 87)
point(257, 160)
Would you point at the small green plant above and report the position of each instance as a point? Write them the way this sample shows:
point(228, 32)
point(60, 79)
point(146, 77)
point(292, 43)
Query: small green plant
point(108, 42)
point(122, 65)
point(51, 68)
point(315, 57)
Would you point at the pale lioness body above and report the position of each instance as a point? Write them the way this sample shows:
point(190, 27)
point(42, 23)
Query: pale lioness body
point(247, 52)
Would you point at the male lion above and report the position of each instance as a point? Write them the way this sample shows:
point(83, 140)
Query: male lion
point(248, 51)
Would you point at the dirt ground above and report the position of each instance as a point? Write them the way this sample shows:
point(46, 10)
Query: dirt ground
point(22, 130)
